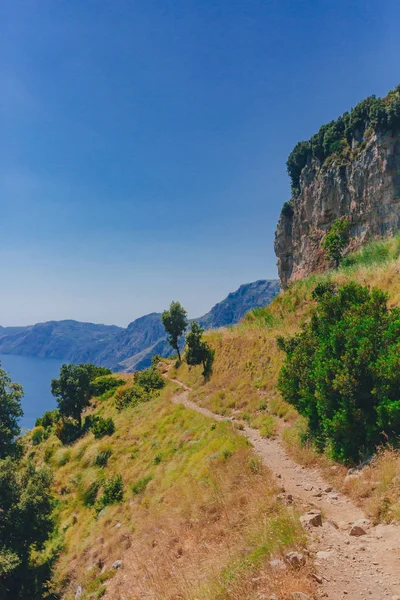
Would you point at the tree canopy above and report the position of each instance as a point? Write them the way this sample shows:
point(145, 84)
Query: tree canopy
point(72, 389)
point(197, 350)
point(10, 413)
point(175, 322)
point(336, 240)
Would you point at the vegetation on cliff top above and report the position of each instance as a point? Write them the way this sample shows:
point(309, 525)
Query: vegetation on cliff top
point(373, 114)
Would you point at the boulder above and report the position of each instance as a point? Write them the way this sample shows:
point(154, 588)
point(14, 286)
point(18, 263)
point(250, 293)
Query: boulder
point(117, 564)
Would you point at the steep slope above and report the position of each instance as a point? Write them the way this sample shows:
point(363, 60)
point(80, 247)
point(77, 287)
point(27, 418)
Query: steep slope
point(350, 168)
point(198, 516)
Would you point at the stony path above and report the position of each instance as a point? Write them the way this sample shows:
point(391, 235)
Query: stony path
point(356, 568)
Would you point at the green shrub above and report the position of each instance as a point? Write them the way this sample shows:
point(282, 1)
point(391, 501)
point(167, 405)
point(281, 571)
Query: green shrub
point(68, 431)
point(113, 492)
point(105, 383)
point(101, 427)
point(342, 371)
point(37, 435)
point(131, 396)
point(139, 486)
point(48, 419)
point(89, 494)
point(149, 379)
point(101, 458)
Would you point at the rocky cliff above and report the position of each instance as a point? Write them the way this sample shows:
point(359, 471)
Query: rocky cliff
point(357, 176)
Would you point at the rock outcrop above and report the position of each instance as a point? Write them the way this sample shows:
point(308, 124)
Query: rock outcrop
point(363, 186)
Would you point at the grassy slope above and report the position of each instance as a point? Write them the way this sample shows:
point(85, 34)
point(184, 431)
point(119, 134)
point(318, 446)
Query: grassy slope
point(248, 361)
point(203, 527)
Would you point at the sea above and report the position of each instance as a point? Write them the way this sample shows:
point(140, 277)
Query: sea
point(35, 375)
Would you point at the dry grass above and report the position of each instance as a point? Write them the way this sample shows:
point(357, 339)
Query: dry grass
point(248, 362)
point(199, 517)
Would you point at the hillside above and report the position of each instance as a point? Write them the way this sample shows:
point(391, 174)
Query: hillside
point(127, 349)
point(349, 168)
point(195, 492)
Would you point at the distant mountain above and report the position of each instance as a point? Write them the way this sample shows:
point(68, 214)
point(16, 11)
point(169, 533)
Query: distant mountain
point(127, 349)
point(233, 308)
point(72, 341)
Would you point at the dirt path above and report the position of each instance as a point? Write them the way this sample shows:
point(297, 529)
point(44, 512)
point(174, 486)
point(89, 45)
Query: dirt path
point(357, 568)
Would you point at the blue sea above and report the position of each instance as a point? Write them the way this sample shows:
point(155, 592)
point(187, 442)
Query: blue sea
point(35, 375)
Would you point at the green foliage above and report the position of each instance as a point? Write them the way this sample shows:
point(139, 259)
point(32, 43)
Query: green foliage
point(113, 492)
point(335, 138)
point(198, 352)
point(175, 322)
point(149, 379)
point(336, 240)
point(72, 389)
point(140, 486)
point(37, 435)
point(10, 413)
point(342, 371)
point(146, 385)
point(131, 397)
point(25, 522)
point(101, 427)
point(101, 458)
point(68, 431)
point(48, 419)
point(105, 383)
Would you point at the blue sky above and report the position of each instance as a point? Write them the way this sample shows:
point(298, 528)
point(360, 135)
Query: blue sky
point(143, 143)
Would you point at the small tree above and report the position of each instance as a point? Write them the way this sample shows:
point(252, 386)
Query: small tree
point(197, 350)
point(175, 322)
point(10, 412)
point(336, 240)
point(72, 389)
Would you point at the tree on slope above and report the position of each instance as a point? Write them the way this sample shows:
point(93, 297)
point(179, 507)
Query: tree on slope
point(72, 389)
point(25, 504)
point(336, 240)
point(10, 413)
point(175, 322)
point(197, 350)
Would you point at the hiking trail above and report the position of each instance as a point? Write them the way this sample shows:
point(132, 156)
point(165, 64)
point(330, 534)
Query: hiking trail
point(357, 568)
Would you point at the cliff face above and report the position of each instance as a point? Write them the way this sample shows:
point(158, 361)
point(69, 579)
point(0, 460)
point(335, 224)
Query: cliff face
point(365, 187)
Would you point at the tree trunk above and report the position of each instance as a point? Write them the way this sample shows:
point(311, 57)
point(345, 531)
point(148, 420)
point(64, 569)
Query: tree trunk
point(179, 354)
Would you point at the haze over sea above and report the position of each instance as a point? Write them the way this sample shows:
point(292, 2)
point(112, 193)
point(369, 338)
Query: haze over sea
point(35, 375)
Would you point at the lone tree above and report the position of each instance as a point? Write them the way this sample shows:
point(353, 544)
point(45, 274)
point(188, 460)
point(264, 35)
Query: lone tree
point(72, 389)
point(197, 350)
point(10, 412)
point(175, 322)
point(336, 240)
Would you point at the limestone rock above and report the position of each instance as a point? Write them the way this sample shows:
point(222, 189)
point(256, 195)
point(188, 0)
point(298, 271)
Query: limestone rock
point(312, 518)
point(365, 189)
point(357, 530)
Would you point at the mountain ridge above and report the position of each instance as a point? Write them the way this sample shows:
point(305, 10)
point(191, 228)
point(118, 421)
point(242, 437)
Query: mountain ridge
point(129, 348)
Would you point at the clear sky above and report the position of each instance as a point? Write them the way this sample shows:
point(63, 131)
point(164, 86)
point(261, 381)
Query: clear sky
point(143, 143)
